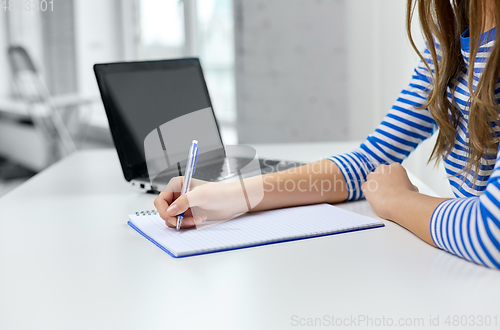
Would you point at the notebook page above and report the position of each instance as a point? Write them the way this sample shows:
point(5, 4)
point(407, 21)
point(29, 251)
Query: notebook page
point(253, 228)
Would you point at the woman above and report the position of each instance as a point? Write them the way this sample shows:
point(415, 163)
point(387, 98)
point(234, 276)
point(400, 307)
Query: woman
point(458, 33)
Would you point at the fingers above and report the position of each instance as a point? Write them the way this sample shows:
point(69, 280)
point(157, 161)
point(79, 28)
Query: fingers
point(171, 221)
point(179, 206)
point(187, 222)
point(167, 196)
point(392, 176)
point(191, 199)
point(173, 188)
point(170, 203)
point(161, 205)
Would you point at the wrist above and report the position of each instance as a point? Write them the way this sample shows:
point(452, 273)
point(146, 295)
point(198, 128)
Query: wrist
point(398, 203)
point(236, 197)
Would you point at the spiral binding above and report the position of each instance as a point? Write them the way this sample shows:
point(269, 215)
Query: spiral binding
point(152, 212)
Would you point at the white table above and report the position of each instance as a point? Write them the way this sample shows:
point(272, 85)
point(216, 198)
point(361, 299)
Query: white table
point(68, 260)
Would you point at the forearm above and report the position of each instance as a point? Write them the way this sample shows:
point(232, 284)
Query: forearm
point(318, 182)
point(413, 211)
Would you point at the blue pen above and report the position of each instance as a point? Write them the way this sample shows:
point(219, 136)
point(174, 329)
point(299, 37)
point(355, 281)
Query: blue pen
point(188, 174)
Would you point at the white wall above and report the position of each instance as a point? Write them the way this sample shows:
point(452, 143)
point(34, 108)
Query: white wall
point(380, 60)
point(290, 70)
point(380, 64)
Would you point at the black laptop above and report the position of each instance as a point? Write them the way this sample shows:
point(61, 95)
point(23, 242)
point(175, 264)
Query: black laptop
point(147, 98)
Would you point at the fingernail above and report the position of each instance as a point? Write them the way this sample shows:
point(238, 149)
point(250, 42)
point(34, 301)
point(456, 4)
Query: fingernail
point(171, 221)
point(172, 210)
point(199, 219)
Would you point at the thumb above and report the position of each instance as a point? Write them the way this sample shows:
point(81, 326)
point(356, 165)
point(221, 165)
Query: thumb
point(184, 202)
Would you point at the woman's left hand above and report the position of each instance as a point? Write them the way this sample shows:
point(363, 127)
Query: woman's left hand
point(387, 188)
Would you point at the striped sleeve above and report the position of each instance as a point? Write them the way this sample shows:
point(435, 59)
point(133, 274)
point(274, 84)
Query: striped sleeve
point(470, 227)
point(400, 132)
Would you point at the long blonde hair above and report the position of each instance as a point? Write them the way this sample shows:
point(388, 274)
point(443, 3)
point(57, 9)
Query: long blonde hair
point(446, 20)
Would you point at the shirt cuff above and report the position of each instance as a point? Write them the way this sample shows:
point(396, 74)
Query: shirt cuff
point(354, 172)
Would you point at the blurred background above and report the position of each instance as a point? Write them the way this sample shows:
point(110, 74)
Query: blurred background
point(278, 71)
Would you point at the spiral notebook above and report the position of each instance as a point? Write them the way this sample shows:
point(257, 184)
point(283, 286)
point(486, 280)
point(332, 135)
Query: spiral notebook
point(251, 229)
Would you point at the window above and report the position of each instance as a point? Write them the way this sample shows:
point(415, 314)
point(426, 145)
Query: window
point(165, 29)
point(161, 29)
point(216, 51)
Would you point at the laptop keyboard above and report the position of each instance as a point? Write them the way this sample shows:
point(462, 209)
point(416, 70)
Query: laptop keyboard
point(216, 171)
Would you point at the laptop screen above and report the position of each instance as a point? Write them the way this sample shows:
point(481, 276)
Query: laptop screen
point(140, 97)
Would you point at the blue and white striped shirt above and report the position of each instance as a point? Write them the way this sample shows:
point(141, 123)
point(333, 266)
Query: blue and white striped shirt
point(469, 225)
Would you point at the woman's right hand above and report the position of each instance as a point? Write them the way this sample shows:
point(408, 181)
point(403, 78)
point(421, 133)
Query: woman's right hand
point(205, 200)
